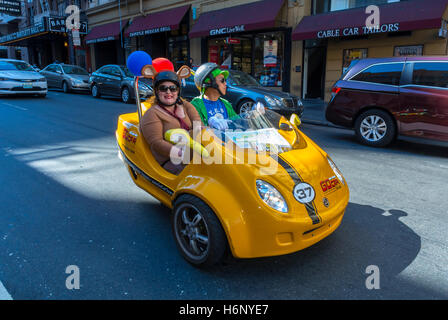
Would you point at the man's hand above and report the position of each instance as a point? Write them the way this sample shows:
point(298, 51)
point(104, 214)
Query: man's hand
point(218, 122)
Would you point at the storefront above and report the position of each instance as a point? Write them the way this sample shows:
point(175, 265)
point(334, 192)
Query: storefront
point(161, 34)
point(106, 42)
point(46, 41)
point(333, 40)
point(258, 43)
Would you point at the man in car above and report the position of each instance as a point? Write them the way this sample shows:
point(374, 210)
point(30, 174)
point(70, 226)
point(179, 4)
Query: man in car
point(214, 110)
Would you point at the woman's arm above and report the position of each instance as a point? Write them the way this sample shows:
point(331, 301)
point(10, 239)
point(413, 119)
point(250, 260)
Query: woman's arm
point(152, 129)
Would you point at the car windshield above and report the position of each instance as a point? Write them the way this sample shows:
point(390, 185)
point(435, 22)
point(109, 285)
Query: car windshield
point(75, 70)
point(243, 79)
point(265, 131)
point(127, 72)
point(15, 65)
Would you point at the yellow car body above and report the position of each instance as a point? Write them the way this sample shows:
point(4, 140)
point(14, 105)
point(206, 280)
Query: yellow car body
point(252, 228)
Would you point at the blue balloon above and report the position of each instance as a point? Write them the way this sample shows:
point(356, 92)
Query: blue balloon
point(137, 60)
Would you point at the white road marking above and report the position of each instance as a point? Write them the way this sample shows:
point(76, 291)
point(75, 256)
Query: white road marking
point(4, 295)
point(14, 106)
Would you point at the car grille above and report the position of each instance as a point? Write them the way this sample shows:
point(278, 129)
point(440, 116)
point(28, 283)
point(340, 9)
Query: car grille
point(289, 102)
point(30, 80)
point(85, 81)
point(27, 89)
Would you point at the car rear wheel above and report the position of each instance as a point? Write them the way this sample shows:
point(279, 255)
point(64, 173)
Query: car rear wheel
point(198, 233)
point(125, 95)
point(244, 107)
point(375, 128)
point(95, 91)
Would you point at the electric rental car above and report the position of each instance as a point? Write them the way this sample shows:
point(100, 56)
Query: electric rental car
point(261, 189)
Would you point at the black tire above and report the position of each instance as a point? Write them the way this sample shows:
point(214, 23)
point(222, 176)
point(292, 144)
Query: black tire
point(246, 104)
point(65, 87)
point(42, 95)
point(375, 128)
point(127, 98)
point(95, 91)
point(208, 226)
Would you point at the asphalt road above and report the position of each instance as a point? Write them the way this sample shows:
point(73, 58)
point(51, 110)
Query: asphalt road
point(67, 200)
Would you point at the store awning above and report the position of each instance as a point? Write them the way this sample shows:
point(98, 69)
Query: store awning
point(400, 16)
point(105, 32)
point(157, 22)
point(252, 16)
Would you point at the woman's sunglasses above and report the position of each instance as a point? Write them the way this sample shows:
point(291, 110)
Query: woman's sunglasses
point(163, 88)
point(223, 80)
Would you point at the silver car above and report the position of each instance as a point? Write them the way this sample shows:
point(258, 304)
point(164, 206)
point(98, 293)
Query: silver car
point(18, 77)
point(66, 77)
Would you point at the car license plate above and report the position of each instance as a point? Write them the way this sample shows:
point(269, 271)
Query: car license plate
point(27, 86)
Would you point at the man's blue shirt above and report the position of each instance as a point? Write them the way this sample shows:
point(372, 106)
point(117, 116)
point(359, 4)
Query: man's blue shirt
point(215, 107)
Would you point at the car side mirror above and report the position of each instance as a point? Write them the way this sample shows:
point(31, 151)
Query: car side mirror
point(294, 119)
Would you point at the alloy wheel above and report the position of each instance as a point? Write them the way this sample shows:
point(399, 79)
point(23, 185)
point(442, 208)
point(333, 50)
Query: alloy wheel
point(373, 128)
point(245, 108)
point(125, 95)
point(191, 231)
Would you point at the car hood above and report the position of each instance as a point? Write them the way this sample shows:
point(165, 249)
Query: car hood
point(268, 91)
point(20, 75)
point(78, 76)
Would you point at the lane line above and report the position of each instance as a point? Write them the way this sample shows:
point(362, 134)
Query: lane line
point(4, 295)
point(14, 106)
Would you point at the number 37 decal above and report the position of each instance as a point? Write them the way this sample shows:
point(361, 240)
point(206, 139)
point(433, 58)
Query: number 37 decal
point(304, 193)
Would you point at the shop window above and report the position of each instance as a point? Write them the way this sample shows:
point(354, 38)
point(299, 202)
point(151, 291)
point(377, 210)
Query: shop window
point(178, 46)
point(268, 59)
point(387, 73)
point(349, 55)
point(433, 74)
point(408, 51)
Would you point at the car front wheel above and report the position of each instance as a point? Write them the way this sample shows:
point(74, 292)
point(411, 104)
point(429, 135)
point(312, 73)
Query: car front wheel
point(125, 95)
point(244, 107)
point(375, 128)
point(198, 232)
point(95, 91)
point(65, 87)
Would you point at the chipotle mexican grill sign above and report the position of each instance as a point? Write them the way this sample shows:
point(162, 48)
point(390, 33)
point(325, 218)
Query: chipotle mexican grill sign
point(358, 31)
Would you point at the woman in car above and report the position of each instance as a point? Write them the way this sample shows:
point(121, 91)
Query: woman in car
point(167, 111)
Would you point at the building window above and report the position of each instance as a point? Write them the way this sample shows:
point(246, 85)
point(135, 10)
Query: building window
point(408, 51)
point(323, 6)
point(352, 54)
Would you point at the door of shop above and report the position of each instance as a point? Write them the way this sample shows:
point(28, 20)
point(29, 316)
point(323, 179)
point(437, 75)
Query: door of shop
point(314, 58)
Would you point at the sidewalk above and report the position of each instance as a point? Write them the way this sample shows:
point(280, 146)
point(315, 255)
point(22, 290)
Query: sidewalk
point(314, 112)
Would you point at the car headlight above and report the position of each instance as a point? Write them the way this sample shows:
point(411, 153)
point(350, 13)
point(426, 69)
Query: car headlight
point(336, 171)
point(76, 81)
point(270, 101)
point(271, 196)
point(42, 80)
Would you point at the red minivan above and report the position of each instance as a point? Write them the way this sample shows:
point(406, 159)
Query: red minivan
point(382, 98)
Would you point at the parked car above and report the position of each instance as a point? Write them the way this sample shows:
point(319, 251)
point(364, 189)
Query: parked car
point(18, 77)
point(243, 91)
point(383, 98)
point(117, 80)
point(66, 77)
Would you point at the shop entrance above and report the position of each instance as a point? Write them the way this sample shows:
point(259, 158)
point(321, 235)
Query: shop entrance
point(315, 54)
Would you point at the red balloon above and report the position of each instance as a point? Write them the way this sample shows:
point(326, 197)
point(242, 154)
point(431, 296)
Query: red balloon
point(162, 64)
